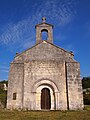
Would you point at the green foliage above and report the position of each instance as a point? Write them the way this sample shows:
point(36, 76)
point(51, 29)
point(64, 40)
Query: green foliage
point(86, 93)
point(86, 82)
point(86, 97)
point(4, 81)
point(3, 98)
point(3, 93)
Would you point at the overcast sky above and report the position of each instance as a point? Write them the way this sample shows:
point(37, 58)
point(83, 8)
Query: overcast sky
point(71, 20)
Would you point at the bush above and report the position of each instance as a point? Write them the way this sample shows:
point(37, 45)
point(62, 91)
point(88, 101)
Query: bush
point(3, 94)
point(3, 98)
point(86, 97)
point(86, 82)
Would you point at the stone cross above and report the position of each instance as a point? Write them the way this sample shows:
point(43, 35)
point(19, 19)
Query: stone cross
point(43, 19)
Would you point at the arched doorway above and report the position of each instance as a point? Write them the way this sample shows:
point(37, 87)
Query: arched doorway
point(54, 94)
point(45, 99)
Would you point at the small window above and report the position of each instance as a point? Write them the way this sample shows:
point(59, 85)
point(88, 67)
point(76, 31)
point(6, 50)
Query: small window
point(14, 96)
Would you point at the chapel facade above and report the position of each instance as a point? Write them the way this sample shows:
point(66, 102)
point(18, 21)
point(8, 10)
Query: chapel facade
point(45, 76)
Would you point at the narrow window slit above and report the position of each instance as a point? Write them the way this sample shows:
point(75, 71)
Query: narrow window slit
point(14, 96)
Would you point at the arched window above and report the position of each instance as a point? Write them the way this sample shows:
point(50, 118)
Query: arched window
point(44, 34)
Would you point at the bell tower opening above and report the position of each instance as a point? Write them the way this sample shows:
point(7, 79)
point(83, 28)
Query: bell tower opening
point(44, 31)
point(44, 34)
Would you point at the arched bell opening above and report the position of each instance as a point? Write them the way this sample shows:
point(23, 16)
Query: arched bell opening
point(44, 34)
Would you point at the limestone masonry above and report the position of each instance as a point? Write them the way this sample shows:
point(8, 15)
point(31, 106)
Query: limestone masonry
point(45, 76)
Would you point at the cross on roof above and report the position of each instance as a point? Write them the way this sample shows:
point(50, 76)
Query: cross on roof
point(43, 19)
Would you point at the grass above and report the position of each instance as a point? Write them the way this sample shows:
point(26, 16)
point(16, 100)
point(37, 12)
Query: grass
point(45, 115)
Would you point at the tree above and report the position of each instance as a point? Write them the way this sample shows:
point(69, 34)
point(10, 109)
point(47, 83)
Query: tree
point(3, 94)
point(86, 90)
point(86, 82)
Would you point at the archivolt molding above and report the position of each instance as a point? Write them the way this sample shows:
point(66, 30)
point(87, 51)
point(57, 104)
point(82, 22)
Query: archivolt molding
point(47, 82)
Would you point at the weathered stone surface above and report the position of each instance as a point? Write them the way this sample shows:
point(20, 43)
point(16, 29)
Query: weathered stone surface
point(45, 66)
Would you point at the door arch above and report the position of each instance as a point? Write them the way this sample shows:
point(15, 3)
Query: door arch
point(37, 88)
point(45, 99)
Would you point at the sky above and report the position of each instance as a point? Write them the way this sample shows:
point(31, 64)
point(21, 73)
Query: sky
point(71, 20)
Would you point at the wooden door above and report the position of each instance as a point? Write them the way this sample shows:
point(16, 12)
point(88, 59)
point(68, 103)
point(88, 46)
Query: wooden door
point(45, 99)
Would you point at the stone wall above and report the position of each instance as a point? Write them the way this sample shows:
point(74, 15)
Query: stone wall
point(45, 65)
point(38, 71)
point(15, 85)
point(74, 86)
point(44, 51)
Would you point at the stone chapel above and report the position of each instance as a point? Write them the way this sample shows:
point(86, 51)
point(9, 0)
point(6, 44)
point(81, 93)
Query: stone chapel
point(45, 76)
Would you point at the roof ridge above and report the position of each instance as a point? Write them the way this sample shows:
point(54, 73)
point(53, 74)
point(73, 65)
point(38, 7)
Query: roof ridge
point(60, 48)
point(43, 23)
